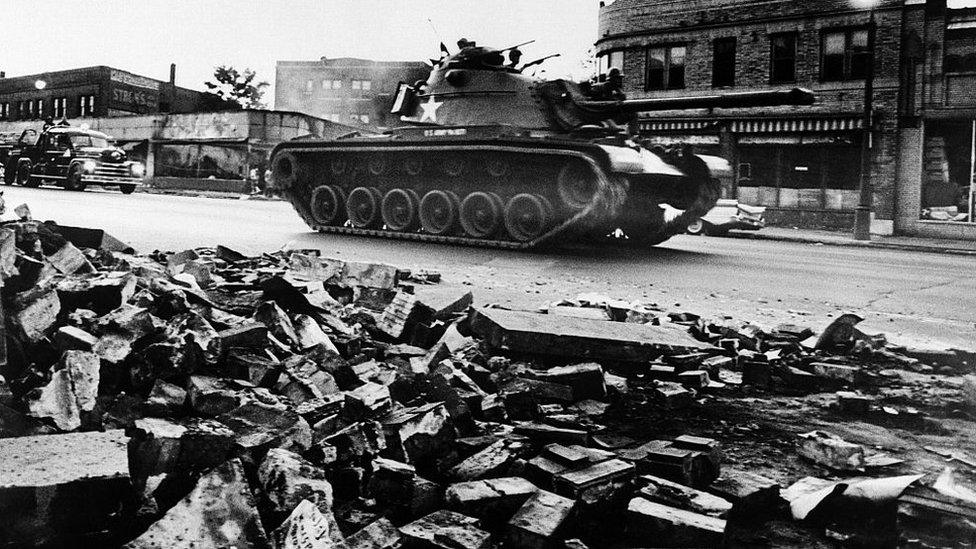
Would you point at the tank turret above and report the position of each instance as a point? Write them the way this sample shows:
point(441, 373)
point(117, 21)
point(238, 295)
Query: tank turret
point(476, 87)
point(488, 155)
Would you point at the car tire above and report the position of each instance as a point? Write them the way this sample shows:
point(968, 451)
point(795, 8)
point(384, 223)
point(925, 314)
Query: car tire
point(127, 189)
point(23, 176)
point(698, 227)
point(9, 173)
point(74, 181)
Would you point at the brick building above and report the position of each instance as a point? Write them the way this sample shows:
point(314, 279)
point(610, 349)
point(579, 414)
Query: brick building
point(801, 162)
point(345, 90)
point(97, 91)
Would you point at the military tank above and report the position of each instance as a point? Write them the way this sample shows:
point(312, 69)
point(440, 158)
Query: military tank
point(490, 156)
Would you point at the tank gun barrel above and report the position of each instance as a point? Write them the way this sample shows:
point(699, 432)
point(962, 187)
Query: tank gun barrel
point(770, 98)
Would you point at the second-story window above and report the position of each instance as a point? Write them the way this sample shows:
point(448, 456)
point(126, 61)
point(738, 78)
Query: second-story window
point(308, 86)
point(86, 105)
point(783, 57)
point(723, 62)
point(665, 68)
point(364, 85)
point(960, 50)
point(60, 107)
point(4, 111)
point(844, 55)
point(609, 60)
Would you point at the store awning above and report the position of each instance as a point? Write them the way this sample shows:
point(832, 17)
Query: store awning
point(677, 125)
point(753, 125)
point(795, 125)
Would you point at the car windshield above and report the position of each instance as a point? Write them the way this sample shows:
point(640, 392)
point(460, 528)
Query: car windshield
point(89, 141)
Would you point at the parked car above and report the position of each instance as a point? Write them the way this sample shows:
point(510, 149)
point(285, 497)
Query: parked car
point(729, 214)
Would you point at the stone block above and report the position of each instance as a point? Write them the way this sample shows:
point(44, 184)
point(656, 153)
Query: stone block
point(673, 494)
point(418, 433)
point(258, 426)
point(492, 500)
point(71, 337)
point(35, 312)
point(574, 337)
point(586, 380)
point(831, 451)
point(541, 521)
point(219, 512)
point(445, 530)
point(491, 461)
point(672, 527)
point(380, 534)
point(309, 527)
point(838, 372)
point(159, 446)
point(288, 479)
point(54, 489)
point(72, 390)
point(595, 481)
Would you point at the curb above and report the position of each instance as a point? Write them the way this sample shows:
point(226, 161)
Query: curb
point(853, 243)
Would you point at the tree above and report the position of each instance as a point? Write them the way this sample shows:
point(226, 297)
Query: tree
point(232, 85)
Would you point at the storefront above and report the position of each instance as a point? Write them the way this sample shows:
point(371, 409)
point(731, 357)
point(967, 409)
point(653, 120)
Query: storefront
point(805, 170)
point(949, 171)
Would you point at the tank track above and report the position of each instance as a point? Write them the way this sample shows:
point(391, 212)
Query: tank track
point(569, 182)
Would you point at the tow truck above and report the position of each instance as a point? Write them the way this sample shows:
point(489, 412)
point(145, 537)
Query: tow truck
point(72, 158)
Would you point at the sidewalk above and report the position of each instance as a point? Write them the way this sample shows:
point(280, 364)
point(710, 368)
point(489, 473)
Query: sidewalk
point(836, 238)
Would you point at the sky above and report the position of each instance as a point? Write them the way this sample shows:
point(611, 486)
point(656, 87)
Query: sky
point(145, 36)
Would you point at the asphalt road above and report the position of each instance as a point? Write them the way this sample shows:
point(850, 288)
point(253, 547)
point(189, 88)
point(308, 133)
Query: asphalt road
point(918, 299)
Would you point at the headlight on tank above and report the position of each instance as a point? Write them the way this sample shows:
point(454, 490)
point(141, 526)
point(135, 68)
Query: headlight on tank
point(89, 166)
point(137, 170)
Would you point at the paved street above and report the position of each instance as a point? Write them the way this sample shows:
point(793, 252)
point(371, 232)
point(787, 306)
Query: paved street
point(919, 299)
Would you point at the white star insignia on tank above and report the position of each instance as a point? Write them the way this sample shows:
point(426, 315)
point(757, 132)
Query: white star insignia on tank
point(430, 110)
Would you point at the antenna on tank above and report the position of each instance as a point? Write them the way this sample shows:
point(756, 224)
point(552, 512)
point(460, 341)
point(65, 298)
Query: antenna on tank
point(437, 35)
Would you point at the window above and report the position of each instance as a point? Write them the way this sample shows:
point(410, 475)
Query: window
point(723, 62)
point(40, 108)
point(844, 55)
point(665, 68)
point(308, 86)
point(31, 106)
point(949, 178)
point(960, 50)
point(362, 85)
point(4, 111)
point(783, 57)
point(60, 107)
point(331, 84)
point(86, 105)
point(609, 60)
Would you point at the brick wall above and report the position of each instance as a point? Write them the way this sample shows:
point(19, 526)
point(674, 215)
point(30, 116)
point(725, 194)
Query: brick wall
point(634, 25)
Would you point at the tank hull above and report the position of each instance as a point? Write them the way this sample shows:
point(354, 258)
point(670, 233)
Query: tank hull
point(501, 192)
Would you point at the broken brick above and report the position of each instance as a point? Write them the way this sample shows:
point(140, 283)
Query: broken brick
point(445, 530)
point(673, 527)
point(287, 479)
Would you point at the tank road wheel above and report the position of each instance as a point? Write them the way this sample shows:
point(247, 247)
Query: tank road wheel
point(481, 214)
point(338, 166)
point(453, 166)
point(363, 207)
point(439, 212)
point(496, 167)
point(328, 205)
point(576, 185)
point(127, 188)
point(376, 165)
point(287, 171)
point(413, 166)
point(527, 216)
point(399, 209)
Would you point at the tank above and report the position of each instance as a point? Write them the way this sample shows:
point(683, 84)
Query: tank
point(490, 156)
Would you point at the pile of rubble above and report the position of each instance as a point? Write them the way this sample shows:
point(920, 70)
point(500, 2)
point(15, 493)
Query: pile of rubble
point(207, 399)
